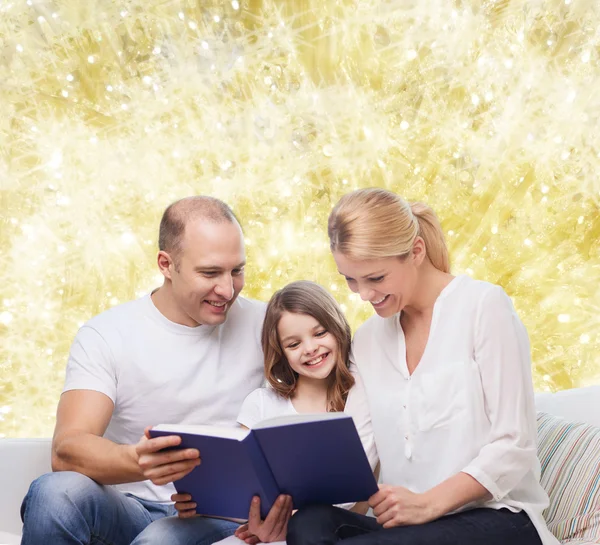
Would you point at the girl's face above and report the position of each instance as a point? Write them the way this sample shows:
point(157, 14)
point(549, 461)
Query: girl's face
point(308, 347)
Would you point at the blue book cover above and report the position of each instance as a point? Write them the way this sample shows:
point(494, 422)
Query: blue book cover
point(316, 459)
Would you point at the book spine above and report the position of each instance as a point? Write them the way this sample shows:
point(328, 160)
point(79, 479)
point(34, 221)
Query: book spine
point(270, 489)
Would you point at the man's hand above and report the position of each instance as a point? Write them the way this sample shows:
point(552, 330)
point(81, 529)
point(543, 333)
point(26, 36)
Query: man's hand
point(164, 467)
point(274, 527)
point(184, 505)
point(398, 506)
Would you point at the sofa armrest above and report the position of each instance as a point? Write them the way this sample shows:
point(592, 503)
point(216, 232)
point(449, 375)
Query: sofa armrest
point(22, 461)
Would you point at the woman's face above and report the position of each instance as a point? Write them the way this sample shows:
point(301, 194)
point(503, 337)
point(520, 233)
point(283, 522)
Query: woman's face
point(387, 283)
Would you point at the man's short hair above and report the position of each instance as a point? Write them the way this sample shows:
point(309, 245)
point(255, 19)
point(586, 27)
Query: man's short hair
point(179, 213)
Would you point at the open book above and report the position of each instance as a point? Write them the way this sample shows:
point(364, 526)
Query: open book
point(316, 459)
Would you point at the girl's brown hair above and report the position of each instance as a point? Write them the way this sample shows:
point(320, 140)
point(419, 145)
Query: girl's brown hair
point(308, 298)
point(375, 223)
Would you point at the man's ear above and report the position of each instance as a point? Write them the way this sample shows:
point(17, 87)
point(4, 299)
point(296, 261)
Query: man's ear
point(165, 264)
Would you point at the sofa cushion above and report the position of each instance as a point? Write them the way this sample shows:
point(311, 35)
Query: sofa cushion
point(569, 454)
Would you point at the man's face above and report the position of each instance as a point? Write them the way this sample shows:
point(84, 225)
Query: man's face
point(209, 273)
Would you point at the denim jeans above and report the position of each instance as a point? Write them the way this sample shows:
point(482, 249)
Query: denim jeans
point(68, 508)
point(325, 525)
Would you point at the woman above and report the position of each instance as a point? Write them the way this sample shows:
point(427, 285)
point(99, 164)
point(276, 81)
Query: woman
point(447, 389)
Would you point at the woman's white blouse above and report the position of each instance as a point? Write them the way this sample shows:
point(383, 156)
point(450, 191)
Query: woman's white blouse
point(468, 406)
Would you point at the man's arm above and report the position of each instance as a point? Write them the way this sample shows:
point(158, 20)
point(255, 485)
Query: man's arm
point(78, 445)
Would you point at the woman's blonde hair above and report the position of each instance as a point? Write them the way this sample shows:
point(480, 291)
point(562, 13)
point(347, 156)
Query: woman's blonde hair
point(375, 223)
point(308, 298)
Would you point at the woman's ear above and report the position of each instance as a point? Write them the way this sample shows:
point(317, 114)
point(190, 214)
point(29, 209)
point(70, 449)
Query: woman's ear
point(419, 251)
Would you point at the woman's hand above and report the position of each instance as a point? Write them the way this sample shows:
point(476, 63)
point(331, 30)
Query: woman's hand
point(398, 506)
point(186, 508)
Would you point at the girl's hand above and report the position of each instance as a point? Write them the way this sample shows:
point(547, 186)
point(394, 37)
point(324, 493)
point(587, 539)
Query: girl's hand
point(398, 506)
point(274, 527)
point(246, 535)
point(186, 508)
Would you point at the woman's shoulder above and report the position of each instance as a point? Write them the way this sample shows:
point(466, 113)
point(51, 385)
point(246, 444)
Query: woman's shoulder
point(482, 300)
point(374, 329)
point(478, 291)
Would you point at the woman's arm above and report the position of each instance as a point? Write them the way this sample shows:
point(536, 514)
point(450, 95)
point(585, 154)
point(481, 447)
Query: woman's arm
point(502, 352)
point(454, 493)
point(398, 506)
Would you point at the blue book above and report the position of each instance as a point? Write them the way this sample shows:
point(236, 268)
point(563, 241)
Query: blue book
point(316, 459)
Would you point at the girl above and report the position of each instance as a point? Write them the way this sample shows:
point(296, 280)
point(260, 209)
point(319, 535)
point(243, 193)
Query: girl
point(306, 342)
point(447, 375)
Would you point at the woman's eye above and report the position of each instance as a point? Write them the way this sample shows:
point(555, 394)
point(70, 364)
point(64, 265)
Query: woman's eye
point(321, 333)
point(377, 279)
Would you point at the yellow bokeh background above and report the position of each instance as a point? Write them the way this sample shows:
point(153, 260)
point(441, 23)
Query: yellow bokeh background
point(487, 110)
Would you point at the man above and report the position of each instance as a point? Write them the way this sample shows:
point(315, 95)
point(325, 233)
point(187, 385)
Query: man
point(187, 353)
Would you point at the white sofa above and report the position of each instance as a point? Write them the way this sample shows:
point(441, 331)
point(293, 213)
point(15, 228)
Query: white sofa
point(22, 460)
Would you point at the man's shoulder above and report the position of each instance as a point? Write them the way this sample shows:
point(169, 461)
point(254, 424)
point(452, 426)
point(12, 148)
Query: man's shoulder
point(248, 309)
point(123, 315)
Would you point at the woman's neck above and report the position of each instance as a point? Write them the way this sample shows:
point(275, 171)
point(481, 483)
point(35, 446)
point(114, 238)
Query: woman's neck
point(431, 283)
point(310, 395)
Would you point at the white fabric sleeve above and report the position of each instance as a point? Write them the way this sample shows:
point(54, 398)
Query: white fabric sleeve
point(91, 365)
point(502, 352)
point(357, 406)
point(252, 409)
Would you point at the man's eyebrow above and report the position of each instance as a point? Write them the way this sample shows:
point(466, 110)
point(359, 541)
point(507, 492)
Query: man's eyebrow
point(215, 268)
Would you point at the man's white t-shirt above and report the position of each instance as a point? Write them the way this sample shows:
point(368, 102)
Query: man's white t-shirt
point(158, 372)
point(467, 407)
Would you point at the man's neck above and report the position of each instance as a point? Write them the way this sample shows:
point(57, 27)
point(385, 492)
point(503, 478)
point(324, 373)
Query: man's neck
point(162, 299)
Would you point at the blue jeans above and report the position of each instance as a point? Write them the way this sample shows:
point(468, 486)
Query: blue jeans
point(68, 508)
point(326, 525)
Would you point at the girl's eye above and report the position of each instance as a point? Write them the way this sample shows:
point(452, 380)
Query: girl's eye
point(321, 333)
point(293, 345)
point(377, 279)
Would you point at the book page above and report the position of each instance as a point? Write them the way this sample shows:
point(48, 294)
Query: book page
point(211, 431)
point(298, 419)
